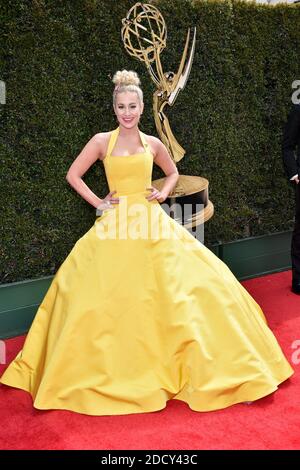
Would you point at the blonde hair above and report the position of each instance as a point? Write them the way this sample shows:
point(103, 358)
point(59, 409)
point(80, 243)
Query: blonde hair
point(127, 80)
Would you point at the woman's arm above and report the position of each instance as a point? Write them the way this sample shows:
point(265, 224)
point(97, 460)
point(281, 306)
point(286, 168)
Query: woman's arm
point(165, 162)
point(89, 154)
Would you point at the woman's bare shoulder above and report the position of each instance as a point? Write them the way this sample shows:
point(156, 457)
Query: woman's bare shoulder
point(154, 143)
point(151, 138)
point(102, 139)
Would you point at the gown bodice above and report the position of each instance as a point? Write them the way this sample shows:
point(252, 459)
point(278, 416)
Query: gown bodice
point(129, 174)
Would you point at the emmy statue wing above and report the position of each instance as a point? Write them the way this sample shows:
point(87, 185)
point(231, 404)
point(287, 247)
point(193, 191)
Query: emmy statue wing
point(182, 77)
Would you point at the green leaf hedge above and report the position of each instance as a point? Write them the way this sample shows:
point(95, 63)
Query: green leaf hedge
point(57, 59)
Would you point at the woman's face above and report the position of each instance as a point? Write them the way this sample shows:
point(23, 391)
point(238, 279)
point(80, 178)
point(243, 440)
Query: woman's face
point(128, 109)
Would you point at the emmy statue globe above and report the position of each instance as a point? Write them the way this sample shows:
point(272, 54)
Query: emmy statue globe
point(144, 37)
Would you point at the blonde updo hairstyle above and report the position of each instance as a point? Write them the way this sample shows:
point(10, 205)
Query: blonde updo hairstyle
point(127, 80)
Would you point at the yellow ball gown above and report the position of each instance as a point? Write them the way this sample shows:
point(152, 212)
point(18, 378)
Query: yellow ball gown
point(131, 321)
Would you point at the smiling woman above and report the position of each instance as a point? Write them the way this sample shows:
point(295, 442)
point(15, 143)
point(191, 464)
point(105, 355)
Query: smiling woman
point(142, 313)
point(128, 110)
point(128, 106)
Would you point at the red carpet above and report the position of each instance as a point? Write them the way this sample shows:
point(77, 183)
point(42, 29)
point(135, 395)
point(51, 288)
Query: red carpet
point(270, 423)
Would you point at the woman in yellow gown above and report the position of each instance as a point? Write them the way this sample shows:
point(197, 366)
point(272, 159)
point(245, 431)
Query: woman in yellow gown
point(141, 312)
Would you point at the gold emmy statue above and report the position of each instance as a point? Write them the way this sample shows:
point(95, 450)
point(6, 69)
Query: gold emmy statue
point(144, 36)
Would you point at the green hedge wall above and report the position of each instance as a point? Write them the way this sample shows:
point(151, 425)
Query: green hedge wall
point(57, 59)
